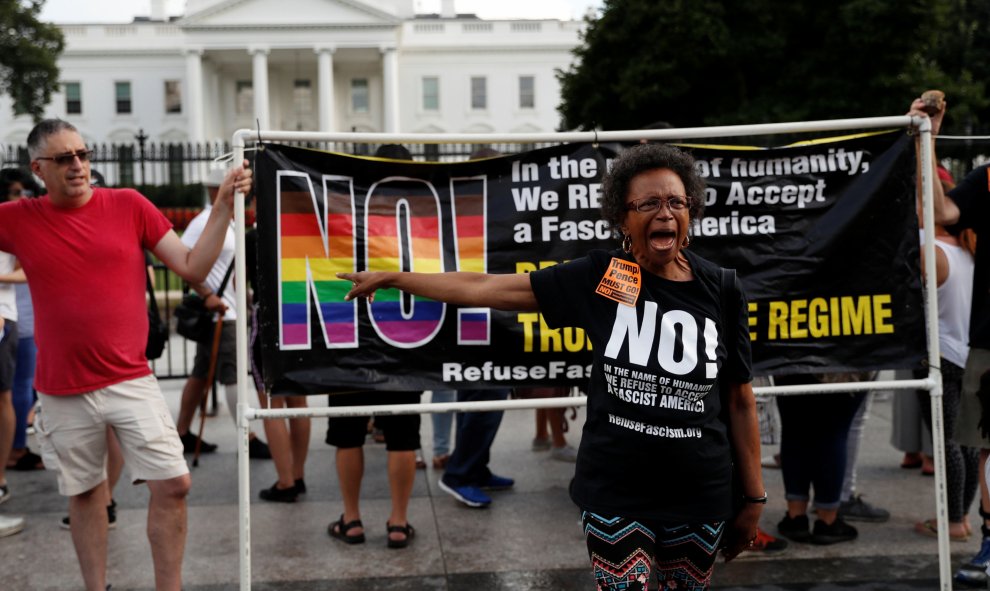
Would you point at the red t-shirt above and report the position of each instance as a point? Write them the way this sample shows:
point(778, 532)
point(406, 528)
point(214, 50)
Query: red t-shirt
point(86, 269)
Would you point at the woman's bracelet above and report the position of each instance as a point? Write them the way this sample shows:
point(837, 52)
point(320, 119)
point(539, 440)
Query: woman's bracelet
point(756, 500)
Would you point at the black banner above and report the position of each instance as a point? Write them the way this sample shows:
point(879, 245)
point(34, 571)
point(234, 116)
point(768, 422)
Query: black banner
point(824, 237)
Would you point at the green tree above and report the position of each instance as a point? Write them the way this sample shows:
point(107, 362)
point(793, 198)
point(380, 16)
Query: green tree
point(29, 49)
point(714, 62)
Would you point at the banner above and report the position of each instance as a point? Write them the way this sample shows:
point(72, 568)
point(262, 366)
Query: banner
point(824, 237)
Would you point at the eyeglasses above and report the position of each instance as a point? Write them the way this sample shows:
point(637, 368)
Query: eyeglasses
point(69, 157)
point(651, 204)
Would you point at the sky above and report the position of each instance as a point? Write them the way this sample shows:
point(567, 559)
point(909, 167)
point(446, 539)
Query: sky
point(116, 11)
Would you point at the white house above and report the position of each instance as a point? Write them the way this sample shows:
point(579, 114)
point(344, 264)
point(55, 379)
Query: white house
point(328, 65)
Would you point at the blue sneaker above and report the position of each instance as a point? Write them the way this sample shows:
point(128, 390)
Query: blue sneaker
point(974, 572)
point(498, 483)
point(472, 496)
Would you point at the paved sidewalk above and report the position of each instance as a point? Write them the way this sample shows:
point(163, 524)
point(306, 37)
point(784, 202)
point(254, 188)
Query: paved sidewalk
point(529, 539)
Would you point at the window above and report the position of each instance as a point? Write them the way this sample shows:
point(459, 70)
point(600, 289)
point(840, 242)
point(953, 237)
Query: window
point(527, 92)
point(173, 96)
point(73, 98)
point(302, 97)
point(244, 97)
point(431, 93)
point(359, 95)
point(479, 92)
point(123, 92)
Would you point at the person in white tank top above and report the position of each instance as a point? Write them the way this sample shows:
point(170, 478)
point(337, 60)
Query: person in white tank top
point(954, 266)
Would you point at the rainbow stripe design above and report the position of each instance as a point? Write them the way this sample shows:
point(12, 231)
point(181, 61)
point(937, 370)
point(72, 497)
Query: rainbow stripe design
point(310, 255)
point(402, 222)
point(468, 196)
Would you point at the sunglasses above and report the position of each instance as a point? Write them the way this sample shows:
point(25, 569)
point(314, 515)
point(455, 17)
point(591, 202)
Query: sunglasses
point(69, 157)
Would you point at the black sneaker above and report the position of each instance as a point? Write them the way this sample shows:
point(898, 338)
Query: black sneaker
point(795, 528)
point(111, 517)
point(856, 509)
point(300, 486)
point(279, 495)
point(189, 444)
point(839, 531)
point(258, 450)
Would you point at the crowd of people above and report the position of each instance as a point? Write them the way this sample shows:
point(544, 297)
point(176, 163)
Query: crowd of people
point(99, 398)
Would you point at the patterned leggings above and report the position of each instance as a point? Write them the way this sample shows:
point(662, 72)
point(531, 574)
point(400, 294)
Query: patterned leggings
point(962, 464)
point(622, 552)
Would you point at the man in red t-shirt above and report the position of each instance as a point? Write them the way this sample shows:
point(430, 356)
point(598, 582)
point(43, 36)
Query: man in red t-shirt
point(82, 250)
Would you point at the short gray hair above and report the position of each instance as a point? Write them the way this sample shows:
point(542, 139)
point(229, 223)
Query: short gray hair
point(38, 137)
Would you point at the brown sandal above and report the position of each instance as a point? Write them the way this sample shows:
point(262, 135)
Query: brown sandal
point(406, 529)
point(338, 529)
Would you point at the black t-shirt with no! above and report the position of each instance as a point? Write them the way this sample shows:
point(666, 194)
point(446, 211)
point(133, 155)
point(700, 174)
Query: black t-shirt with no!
point(653, 446)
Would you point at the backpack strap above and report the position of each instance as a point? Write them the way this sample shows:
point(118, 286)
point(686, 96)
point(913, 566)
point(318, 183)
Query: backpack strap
point(151, 294)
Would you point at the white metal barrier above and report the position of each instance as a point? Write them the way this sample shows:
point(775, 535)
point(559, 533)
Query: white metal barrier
point(933, 383)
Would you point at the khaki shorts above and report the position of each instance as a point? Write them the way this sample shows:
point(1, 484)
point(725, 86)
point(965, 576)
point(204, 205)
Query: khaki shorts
point(970, 409)
point(71, 431)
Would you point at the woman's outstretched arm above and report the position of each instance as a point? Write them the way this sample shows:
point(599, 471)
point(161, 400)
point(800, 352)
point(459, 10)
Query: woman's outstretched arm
point(509, 291)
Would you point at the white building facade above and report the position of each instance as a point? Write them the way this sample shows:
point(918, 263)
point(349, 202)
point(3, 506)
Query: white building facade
point(312, 65)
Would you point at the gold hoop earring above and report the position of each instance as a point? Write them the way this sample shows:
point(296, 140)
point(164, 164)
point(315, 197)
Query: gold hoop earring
point(687, 242)
point(627, 244)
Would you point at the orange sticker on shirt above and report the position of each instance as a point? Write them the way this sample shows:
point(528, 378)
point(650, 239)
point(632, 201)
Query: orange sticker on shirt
point(621, 282)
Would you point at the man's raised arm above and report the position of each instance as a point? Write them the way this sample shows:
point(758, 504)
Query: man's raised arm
point(194, 264)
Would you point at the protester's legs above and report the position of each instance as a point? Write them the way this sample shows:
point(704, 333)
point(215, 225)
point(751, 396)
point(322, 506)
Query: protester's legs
point(401, 441)
point(88, 513)
point(442, 422)
point(7, 421)
point(167, 529)
point(620, 562)
point(347, 434)
point(196, 386)
point(192, 394)
point(853, 441)
point(288, 444)
point(299, 434)
point(72, 434)
point(971, 484)
point(968, 432)
point(835, 413)
point(23, 396)
point(542, 433)
point(350, 471)
point(814, 435)
point(685, 555)
point(279, 444)
point(153, 452)
point(796, 437)
point(955, 464)
point(468, 465)
point(8, 357)
point(555, 417)
point(401, 476)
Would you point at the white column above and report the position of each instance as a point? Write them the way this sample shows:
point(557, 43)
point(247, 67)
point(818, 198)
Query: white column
point(194, 94)
point(325, 90)
point(259, 84)
point(390, 78)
